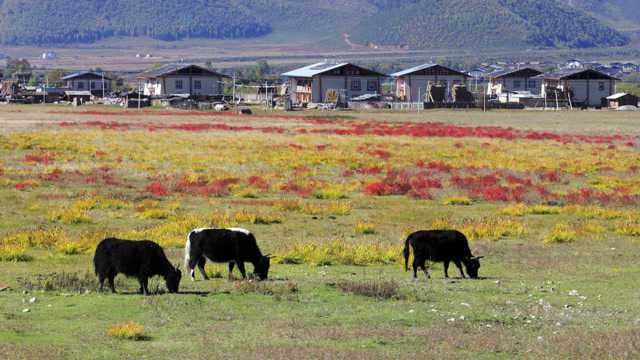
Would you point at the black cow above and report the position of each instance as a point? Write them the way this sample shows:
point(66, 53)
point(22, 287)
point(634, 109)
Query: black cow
point(139, 259)
point(234, 245)
point(440, 246)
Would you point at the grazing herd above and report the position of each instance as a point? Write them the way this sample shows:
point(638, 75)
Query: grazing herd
point(235, 246)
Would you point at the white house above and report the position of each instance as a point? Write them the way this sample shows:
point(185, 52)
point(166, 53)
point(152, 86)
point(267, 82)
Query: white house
point(588, 87)
point(88, 81)
point(503, 83)
point(182, 79)
point(331, 82)
point(412, 84)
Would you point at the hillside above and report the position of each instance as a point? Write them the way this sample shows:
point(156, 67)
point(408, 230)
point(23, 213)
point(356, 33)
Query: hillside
point(510, 23)
point(621, 14)
point(417, 23)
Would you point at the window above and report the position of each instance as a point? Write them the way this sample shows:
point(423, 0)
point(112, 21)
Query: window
point(80, 85)
point(372, 85)
point(179, 84)
point(93, 85)
point(517, 84)
point(197, 84)
point(532, 84)
point(356, 85)
point(601, 86)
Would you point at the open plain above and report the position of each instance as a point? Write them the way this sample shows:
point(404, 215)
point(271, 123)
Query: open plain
point(549, 198)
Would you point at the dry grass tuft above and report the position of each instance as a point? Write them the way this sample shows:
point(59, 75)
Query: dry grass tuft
point(127, 331)
point(376, 289)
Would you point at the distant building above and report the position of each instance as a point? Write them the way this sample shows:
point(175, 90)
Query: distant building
point(588, 87)
point(49, 55)
point(509, 81)
point(328, 82)
point(412, 84)
point(621, 99)
point(88, 81)
point(182, 79)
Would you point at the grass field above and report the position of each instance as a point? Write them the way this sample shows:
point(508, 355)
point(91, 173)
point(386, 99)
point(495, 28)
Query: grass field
point(549, 198)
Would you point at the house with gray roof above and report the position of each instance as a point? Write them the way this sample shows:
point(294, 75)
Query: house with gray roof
point(327, 82)
point(503, 83)
point(88, 81)
point(182, 79)
point(587, 87)
point(413, 84)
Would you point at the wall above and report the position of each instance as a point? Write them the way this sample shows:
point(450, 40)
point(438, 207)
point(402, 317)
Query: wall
point(210, 85)
point(323, 83)
point(416, 85)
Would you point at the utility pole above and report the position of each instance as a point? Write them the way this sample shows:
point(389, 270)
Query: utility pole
point(139, 95)
point(235, 104)
point(103, 86)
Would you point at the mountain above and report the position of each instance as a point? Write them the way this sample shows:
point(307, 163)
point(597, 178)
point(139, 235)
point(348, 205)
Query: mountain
point(621, 14)
point(416, 23)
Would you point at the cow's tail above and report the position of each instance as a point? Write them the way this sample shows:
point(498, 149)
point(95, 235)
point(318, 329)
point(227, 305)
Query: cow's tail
point(406, 252)
point(187, 251)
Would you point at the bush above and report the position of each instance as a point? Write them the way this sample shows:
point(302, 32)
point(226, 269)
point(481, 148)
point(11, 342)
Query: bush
point(15, 253)
point(561, 233)
point(63, 281)
point(127, 331)
point(458, 200)
point(264, 288)
point(365, 228)
point(375, 289)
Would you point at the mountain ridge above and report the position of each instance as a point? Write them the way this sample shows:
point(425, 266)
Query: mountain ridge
point(416, 23)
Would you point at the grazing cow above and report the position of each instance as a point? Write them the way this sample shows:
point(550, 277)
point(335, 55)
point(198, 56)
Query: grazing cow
point(139, 259)
point(234, 245)
point(440, 246)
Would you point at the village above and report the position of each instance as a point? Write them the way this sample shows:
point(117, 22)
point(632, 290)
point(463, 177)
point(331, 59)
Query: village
point(332, 84)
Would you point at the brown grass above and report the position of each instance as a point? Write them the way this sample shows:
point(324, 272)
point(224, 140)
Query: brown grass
point(374, 289)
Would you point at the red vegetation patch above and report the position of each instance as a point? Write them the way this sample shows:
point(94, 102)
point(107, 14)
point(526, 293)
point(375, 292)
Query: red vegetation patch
point(45, 159)
point(157, 189)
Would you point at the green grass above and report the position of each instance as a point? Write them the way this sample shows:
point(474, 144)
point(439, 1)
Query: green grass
point(561, 300)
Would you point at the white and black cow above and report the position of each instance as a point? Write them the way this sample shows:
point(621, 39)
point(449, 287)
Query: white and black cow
point(440, 246)
point(233, 245)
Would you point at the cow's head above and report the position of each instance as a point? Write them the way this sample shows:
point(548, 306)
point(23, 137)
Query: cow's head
point(173, 279)
point(262, 267)
point(472, 265)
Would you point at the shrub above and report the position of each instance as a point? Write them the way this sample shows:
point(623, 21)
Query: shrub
point(287, 205)
point(515, 210)
point(60, 282)
point(545, 210)
point(158, 214)
point(271, 289)
point(458, 200)
point(72, 215)
point(339, 252)
point(365, 228)
point(15, 253)
point(375, 289)
point(127, 331)
point(561, 233)
point(628, 228)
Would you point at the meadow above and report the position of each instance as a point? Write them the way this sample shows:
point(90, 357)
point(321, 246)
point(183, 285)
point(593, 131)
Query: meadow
point(550, 199)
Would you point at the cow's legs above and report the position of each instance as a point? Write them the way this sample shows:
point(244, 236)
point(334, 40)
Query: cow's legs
point(426, 272)
point(201, 264)
point(241, 268)
point(459, 266)
point(101, 279)
point(111, 283)
point(144, 282)
point(193, 261)
point(231, 265)
point(415, 268)
point(446, 269)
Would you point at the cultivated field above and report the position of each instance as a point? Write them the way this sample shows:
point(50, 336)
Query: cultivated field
point(550, 199)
